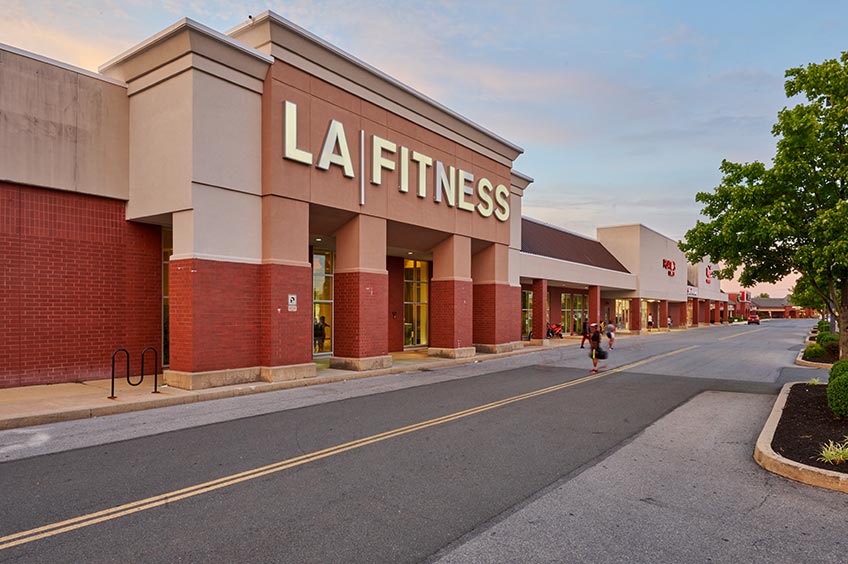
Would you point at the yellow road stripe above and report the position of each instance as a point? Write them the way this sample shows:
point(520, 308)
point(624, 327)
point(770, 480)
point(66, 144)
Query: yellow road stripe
point(53, 529)
point(743, 333)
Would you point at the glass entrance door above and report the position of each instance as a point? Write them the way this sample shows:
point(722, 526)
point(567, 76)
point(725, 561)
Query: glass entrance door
point(322, 302)
point(416, 303)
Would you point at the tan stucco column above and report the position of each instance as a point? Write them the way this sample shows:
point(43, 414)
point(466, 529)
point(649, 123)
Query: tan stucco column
point(361, 296)
point(451, 299)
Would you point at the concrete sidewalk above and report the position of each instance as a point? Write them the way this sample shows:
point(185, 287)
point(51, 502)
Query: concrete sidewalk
point(38, 405)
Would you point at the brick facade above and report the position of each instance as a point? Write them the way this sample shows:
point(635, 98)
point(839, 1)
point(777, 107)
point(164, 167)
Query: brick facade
point(360, 300)
point(214, 315)
point(286, 335)
point(78, 281)
point(451, 312)
point(497, 314)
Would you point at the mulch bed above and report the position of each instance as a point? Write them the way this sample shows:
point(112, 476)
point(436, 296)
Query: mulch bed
point(807, 423)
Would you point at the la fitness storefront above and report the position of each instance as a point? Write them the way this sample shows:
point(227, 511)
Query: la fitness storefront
point(253, 203)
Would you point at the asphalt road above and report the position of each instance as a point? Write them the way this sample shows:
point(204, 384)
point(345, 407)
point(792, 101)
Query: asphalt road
point(401, 469)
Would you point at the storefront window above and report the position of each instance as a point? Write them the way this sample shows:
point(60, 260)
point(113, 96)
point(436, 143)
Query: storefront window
point(566, 313)
point(526, 313)
point(622, 314)
point(416, 306)
point(322, 302)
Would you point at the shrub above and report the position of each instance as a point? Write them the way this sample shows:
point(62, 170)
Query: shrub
point(826, 337)
point(837, 395)
point(824, 326)
point(839, 369)
point(814, 351)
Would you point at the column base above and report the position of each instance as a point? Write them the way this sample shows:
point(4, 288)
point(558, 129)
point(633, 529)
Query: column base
point(361, 364)
point(540, 342)
point(233, 376)
point(462, 352)
point(288, 372)
point(212, 378)
point(499, 348)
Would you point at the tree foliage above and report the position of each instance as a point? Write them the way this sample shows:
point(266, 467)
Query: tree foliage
point(793, 216)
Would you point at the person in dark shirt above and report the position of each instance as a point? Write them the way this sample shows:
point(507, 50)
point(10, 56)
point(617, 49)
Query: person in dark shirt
point(596, 351)
point(585, 334)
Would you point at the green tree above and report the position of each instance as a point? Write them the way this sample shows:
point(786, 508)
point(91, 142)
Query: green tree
point(763, 295)
point(804, 295)
point(792, 217)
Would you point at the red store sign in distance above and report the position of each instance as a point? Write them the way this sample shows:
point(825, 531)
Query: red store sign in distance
point(670, 266)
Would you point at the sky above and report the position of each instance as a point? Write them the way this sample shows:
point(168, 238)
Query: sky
point(624, 110)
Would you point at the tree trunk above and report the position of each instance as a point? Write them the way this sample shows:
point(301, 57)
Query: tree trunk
point(843, 335)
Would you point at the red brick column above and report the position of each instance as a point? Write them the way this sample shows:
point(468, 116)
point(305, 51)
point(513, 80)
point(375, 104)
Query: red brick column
point(663, 320)
point(214, 315)
point(451, 312)
point(360, 330)
point(594, 304)
point(717, 313)
point(555, 305)
point(635, 314)
point(497, 315)
point(540, 308)
point(696, 306)
point(705, 312)
point(286, 335)
point(361, 296)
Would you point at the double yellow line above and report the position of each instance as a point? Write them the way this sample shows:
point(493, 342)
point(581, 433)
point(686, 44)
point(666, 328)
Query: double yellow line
point(58, 528)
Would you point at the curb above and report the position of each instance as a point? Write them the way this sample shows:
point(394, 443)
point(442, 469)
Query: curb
point(799, 360)
point(238, 390)
point(765, 456)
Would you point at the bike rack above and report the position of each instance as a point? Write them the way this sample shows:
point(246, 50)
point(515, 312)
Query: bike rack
point(114, 354)
point(155, 368)
point(141, 376)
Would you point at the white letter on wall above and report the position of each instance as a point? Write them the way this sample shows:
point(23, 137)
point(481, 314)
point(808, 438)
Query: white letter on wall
point(502, 198)
point(290, 150)
point(423, 162)
point(466, 188)
point(445, 184)
point(336, 136)
point(378, 161)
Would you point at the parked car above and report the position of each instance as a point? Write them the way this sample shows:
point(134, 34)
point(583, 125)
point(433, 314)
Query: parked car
point(753, 318)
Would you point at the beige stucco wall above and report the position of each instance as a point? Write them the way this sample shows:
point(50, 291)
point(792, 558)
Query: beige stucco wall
point(642, 250)
point(62, 128)
point(706, 291)
point(196, 140)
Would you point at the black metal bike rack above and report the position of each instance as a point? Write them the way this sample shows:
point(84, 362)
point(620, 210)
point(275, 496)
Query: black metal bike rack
point(141, 376)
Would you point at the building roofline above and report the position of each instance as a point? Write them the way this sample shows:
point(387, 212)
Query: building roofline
point(558, 228)
point(651, 229)
point(276, 18)
point(61, 65)
point(190, 24)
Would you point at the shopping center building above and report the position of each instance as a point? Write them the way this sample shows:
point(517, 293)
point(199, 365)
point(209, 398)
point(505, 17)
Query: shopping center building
point(250, 202)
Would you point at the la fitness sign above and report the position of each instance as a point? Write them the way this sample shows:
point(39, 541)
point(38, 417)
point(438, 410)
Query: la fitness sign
point(670, 266)
point(451, 186)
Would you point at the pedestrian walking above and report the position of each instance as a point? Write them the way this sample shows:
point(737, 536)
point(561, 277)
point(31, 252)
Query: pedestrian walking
point(650, 322)
point(585, 333)
point(611, 334)
point(596, 353)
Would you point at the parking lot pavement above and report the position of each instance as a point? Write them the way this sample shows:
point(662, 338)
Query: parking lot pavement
point(685, 490)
